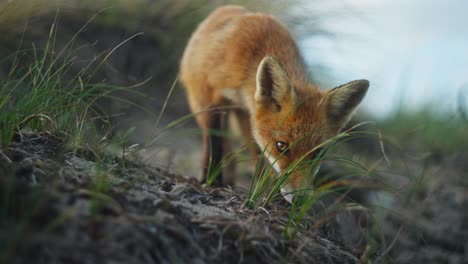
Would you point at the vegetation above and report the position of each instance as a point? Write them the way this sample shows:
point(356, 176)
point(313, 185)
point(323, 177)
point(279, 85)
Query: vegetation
point(444, 132)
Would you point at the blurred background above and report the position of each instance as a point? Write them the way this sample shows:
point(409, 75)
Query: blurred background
point(413, 53)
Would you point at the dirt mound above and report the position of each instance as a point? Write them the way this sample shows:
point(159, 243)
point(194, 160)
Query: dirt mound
point(71, 208)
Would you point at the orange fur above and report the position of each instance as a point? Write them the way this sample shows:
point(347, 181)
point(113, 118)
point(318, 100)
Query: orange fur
point(249, 62)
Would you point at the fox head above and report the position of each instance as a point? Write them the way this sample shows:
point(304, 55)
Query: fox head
point(290, 123)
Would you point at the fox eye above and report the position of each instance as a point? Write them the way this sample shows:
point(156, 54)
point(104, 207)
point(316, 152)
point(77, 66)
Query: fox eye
point(282, 146)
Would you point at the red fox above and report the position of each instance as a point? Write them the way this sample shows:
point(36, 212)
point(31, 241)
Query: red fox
point(248, 64)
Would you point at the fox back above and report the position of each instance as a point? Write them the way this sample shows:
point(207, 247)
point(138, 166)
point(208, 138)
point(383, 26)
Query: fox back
point(249, 64)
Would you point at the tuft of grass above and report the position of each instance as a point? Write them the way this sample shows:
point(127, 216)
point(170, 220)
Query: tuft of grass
point(40, 94)
point(266, 186)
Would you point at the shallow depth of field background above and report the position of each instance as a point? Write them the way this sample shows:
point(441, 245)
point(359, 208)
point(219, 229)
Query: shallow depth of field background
point(414, 52)
point(414, 55)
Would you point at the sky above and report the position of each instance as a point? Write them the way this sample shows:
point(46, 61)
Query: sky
point(414, 53)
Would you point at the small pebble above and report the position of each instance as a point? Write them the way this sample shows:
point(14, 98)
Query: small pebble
point(39, 163)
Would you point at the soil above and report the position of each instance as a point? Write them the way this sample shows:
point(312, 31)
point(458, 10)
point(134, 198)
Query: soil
point(433, 226)
point(71, 207)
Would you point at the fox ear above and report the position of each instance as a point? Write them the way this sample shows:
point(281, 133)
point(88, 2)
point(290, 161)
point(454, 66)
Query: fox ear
point(274, 89)
point(342, 100)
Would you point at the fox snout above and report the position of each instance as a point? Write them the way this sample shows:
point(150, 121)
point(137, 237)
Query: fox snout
point(299, 183)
